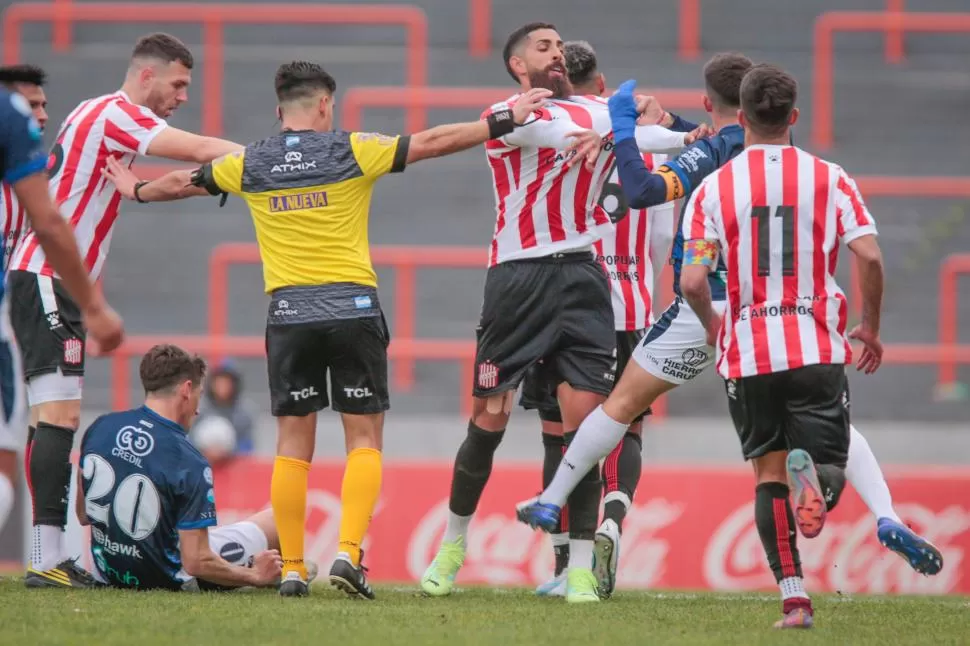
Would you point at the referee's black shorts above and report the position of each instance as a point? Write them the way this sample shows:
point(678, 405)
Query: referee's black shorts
point(805, 408)
point(556, 309)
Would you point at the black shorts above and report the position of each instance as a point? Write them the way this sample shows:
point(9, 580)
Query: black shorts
point(805, 408)
point(539, 388)
point(47, 325)
point(555, 309)
point(300, 355)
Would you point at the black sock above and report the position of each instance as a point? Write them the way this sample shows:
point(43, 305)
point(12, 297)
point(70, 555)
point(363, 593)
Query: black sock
point(584, 503)
point(30, 444)
point(553, 447)
point(50, 473)
point(621, 472)
point(473, 466)
point(832, 480)
point(776, 527)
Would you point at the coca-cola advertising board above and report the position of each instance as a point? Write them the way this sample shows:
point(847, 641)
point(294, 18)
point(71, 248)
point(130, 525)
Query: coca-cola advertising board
point(689, 528)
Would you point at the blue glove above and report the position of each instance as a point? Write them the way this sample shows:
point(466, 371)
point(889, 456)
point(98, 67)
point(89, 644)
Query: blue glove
point(623, 112)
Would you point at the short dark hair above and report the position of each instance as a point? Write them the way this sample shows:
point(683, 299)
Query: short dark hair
point(722, 76)
point(302, 79)
point(166, 366)
point(768, 95)
point(518, 37)
point(580, 61)
point(22, 73)
point(163, 47)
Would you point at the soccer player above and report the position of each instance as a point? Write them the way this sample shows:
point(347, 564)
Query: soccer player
point(675, 349)
point(641, 240)
point(546, 297)
point(28, 82)
point(777, 215)
point(46, 320)
point(309, 191)
point(148, 495)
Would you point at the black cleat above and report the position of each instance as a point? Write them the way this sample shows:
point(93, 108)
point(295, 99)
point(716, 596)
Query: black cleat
point(294, 586)
point(352, 580)
point(67, 574)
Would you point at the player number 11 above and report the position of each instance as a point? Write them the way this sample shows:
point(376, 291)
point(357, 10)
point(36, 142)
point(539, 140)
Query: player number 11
point(763, 215)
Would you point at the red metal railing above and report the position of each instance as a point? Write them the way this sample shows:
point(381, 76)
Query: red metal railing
point(356, 99)
point(829, 23)
point(950, 272)
point(212, 17)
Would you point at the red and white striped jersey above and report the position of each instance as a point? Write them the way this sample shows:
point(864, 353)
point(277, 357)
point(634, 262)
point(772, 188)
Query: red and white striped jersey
point(779, 214)
point(109, 125)
point(13, 224)
point(626, 252)
point(542, 207)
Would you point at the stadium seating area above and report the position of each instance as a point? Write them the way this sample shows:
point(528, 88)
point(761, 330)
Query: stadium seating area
point(892, 108)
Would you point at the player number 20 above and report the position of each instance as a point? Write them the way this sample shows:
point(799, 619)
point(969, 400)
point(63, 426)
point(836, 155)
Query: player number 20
point(135, 505)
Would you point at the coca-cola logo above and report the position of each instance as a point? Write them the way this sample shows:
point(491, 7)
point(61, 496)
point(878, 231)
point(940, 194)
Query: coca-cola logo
point(846, 556)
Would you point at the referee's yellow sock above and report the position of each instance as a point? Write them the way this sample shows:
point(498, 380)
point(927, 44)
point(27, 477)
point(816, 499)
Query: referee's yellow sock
point(358, 497)
point(288, 497)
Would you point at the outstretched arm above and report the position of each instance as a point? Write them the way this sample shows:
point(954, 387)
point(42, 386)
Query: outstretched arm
point(176, 185)
point(172, 143)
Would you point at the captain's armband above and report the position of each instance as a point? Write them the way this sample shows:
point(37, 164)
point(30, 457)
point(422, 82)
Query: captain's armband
point(675, 187)
point(700, 252)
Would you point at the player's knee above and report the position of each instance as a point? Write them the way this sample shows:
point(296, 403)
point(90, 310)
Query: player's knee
point(771, 467)
point(297, 437)
point(66, 414)
point(492, 413)
point(364, 431)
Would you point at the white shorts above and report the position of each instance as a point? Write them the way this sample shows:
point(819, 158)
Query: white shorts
point(54, 387)
point(675, 348)
point(13, 409)
point(239, 542)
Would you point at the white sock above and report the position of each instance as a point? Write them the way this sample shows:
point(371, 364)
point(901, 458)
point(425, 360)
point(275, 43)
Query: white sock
point(580, 554)
point(864, 474)
point(620, 497)
point(457, 527)
point(792, 587)
point(7, 498)
point(45, 552)
point(558, 540)
point(597, 436)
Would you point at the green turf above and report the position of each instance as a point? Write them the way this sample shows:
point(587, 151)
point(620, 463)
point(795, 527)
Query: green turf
point(470, 617)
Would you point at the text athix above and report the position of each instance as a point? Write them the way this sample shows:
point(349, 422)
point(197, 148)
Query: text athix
point(298, 201)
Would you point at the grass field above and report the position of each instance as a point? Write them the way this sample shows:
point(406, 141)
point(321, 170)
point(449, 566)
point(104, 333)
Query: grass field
point(470, 617)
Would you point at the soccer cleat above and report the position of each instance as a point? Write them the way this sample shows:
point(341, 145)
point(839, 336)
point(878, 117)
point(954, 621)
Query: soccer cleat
point(554, 587)
point(581, 586)
point(439, 578)
point(606, 554)
point(921, 554)
point(810, 508)
point(352, 580)
point(293, 586)
point(538, 515)
point(797, 618)
point(67, 574)
point(312, 570)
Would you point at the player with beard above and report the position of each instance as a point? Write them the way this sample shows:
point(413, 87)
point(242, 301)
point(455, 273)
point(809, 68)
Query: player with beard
point(639, 243)
point(546, 297)
point(46, 320)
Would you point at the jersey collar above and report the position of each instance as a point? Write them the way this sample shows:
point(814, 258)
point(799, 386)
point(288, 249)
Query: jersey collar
point(172, 424)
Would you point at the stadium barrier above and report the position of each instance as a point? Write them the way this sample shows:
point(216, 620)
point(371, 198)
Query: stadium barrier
point(673, 537)
point(950, 272)
point(213, 17)
point(826, 26)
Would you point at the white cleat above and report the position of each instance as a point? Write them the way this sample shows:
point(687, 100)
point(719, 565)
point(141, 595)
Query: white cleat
point(606, 554)
point(555, 587)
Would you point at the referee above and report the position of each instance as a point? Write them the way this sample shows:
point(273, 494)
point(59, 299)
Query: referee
point(309, 189)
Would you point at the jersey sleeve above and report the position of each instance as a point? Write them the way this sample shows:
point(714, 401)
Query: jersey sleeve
point(197, 504)
point(130, 128)
point(687, 170)
point(657, 139)
point(224, 175)
point(20, 141)
point(701, 230)
point(854, 219)
point(378, 154)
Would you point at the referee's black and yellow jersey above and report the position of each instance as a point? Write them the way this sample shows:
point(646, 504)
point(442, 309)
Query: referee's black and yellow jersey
point(309, 194)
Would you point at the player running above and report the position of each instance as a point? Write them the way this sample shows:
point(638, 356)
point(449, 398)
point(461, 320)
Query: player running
point(148, 495)
point(46, 320)
point(776, 216)
point(309, 191)
point(28, 82)
point(546, 297)
point(675, 349)
point(641, 241)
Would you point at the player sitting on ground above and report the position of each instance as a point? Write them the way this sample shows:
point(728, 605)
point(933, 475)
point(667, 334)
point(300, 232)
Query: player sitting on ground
point(148, 495)
point(777, 216)
point(640, 241)
point(675, 349)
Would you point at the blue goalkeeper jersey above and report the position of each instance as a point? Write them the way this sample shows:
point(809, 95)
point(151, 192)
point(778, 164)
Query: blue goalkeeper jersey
point(143, 481)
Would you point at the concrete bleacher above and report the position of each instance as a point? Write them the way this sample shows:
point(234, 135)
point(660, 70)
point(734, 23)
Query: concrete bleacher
point(904, 120)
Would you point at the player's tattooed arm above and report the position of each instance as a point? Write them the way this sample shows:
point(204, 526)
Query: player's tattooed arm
point(700, 257)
